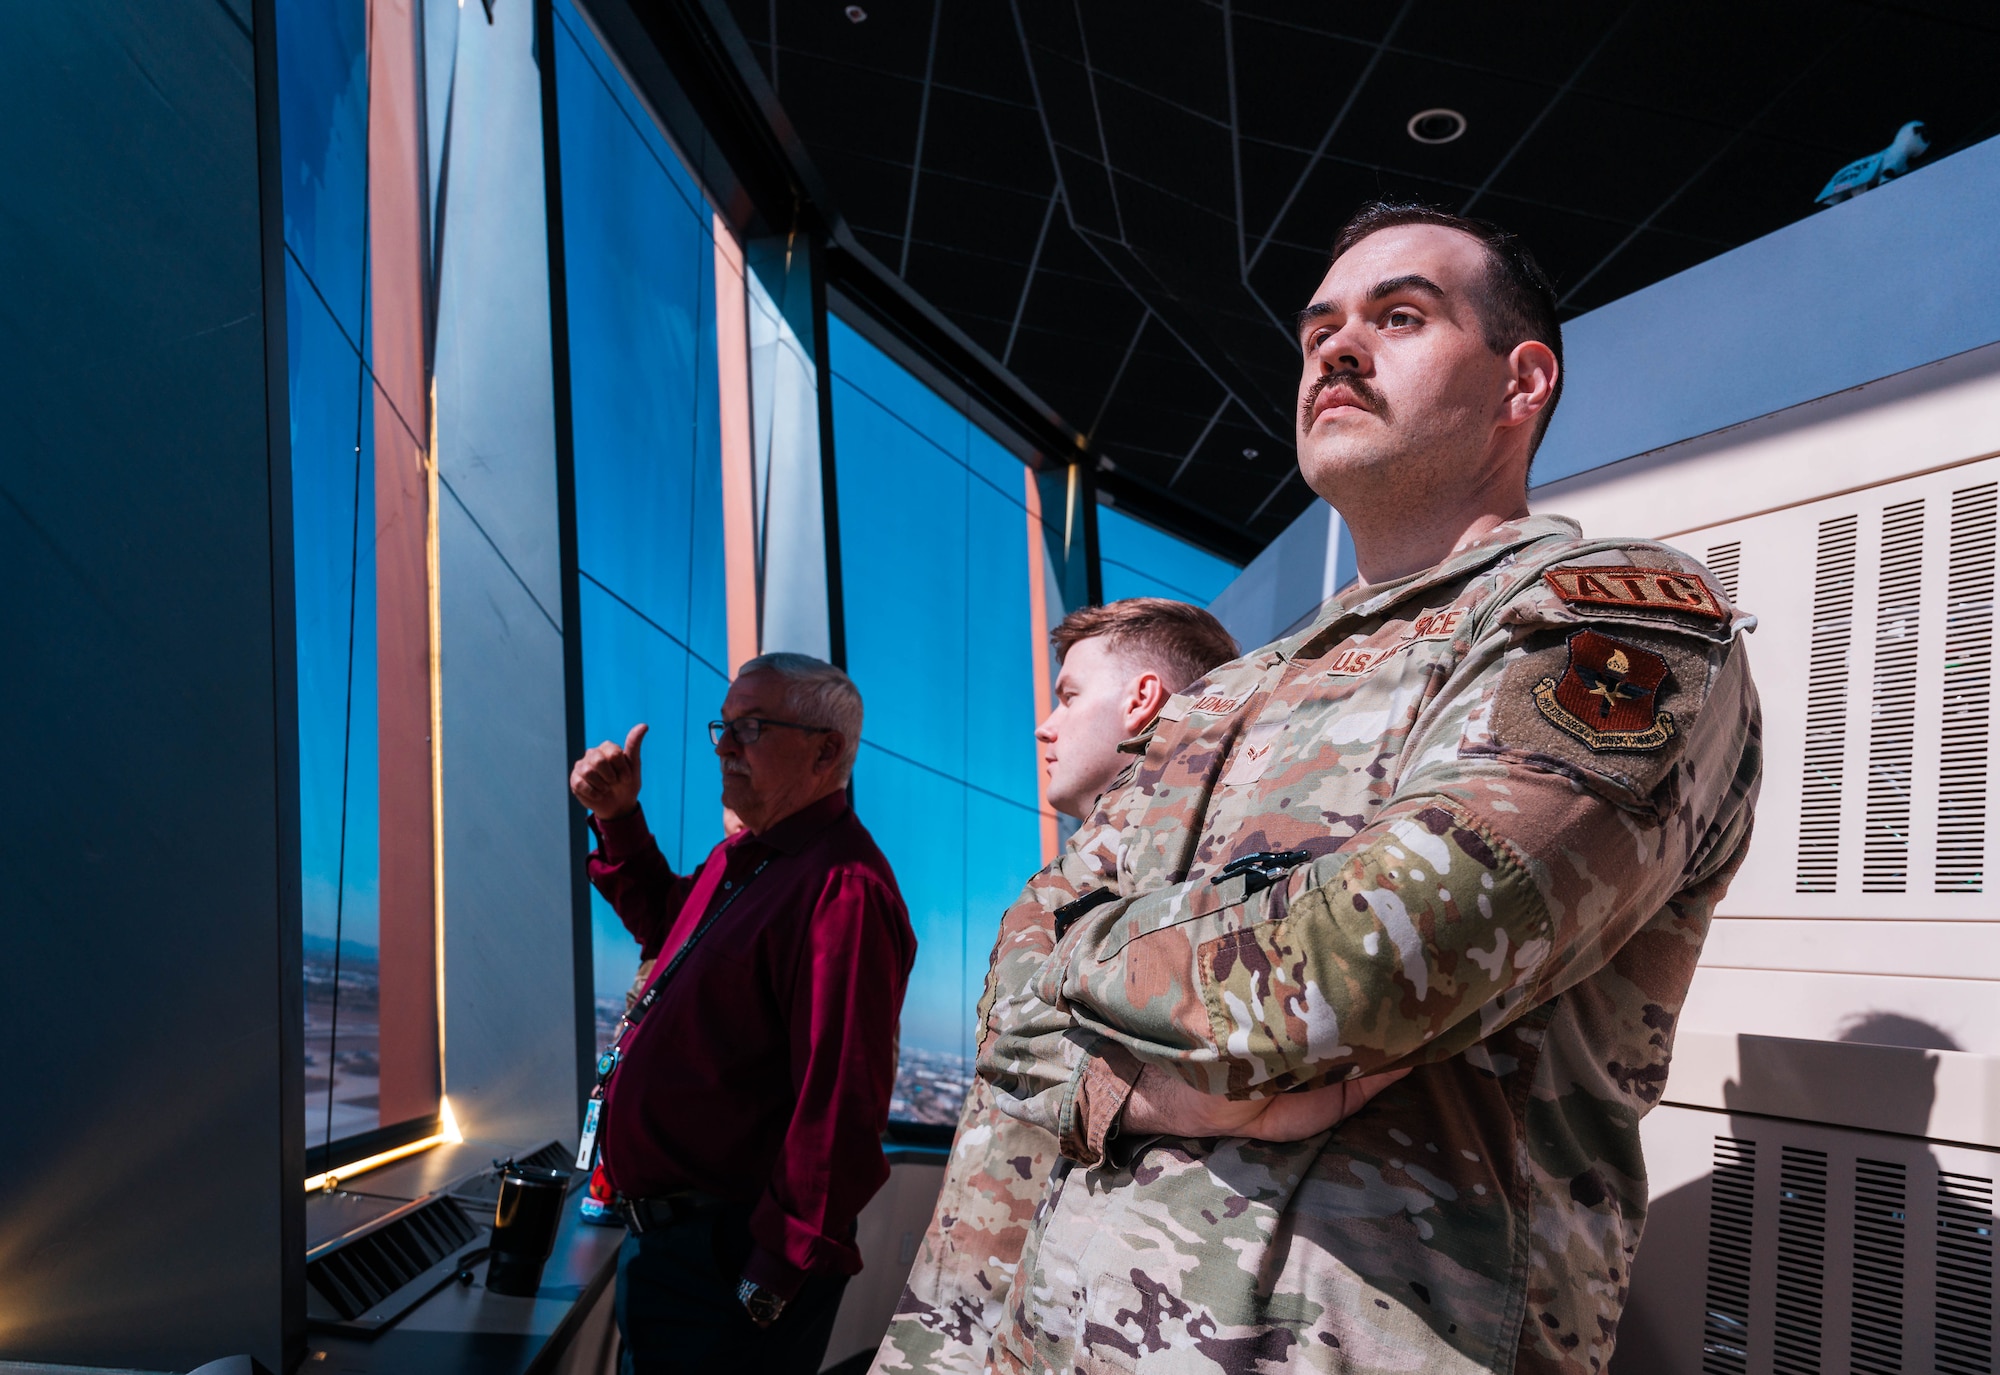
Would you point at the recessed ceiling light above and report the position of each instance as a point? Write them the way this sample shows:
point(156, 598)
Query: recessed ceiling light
point(855, 14)
point(1436, 126)
point(1249, 453)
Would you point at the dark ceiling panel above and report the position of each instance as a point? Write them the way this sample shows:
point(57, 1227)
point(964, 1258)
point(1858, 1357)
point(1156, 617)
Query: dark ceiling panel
point(1160, 402)
point(1569, 246)
point(1623, 141)
point(865, 176)
point(1665, 57)
point(979, 52)
point(1754, 186)
point(1294, 84)
point(1887, 69)
point(978, 291)
point(1494, 38)
point(1176, 60)
point(980, 139)
point(1498, 109)
point(1648, 257)
point(1221, 466)
point(866, 108)
point(1631, 155)
point(1075, 294)
point(1076, 324)
point(1360, 23)
point(884, 246)
point(1158, 142)
point(893, 37)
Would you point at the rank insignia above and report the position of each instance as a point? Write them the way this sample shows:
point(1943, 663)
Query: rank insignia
point(1636, 589)
point(1607, 695)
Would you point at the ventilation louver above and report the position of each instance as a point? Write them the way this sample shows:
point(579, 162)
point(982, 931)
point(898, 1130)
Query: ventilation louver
point(1795, 1329)
point(1724, 561)
point(1968, 693)
point(1892, 727)
point(1964, 1274)
point(1849, 1253)
point(1826, 706)
point(1725, 1334)
point(371, 1277)
point(1875, 1322)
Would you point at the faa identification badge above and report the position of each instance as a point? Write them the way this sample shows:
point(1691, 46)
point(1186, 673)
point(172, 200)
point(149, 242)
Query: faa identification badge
point(1607, 695)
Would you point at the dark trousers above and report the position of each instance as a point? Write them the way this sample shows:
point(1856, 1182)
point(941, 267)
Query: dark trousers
point(677, 1307)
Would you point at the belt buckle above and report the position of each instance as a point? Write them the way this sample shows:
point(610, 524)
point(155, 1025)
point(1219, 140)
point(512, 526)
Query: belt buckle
point(631, 1210)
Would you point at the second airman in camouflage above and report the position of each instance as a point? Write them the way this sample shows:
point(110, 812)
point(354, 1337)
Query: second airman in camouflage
point(1119, 665)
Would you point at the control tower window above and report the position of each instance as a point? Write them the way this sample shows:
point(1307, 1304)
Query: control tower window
point(362, 614)
point(937, 586)
point(639, 262)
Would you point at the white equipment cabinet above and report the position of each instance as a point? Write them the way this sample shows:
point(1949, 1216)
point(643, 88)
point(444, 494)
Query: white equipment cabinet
point(1824, 1156)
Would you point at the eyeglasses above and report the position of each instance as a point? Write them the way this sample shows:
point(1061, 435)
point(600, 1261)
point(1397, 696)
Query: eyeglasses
point(745, 729)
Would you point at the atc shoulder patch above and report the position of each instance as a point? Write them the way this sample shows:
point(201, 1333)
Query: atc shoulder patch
point(1636, 589)
point(1608, 695)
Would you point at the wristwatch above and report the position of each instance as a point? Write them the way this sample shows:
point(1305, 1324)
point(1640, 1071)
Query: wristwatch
point(760, 1303)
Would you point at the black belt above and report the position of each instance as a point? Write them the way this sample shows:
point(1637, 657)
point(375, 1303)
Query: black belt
point(644, 1215)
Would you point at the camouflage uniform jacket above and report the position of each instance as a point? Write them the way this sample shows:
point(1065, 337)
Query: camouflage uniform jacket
point(997, 1173)
point(1521, 781)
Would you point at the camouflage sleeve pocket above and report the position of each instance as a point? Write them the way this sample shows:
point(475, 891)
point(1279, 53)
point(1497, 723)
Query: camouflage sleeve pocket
point(1177, 906)
point(1433, 924)
point(1130, 970)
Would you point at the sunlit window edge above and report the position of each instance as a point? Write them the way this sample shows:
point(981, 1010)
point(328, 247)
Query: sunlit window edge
point(447, 1134)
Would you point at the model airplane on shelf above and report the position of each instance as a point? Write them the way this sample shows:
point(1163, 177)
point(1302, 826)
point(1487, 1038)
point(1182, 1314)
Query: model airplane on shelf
point(1870, 172)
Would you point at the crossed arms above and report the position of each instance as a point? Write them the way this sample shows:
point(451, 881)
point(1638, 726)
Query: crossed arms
point(1483, 888)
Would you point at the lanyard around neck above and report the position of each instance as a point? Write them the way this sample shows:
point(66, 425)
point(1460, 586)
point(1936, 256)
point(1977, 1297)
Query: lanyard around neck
point(614, 1054)
point(652, 993)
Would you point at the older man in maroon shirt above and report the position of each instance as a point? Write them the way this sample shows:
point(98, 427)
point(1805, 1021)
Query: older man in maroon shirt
point(740, 1113)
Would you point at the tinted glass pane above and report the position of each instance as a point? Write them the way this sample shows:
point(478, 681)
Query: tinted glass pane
point(640, 263)
point(1139, 561)
point(333, 525)
point(323, 85)
point(323, 123)
point(935, 579)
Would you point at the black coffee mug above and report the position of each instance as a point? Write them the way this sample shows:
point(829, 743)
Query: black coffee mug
point(525, 1220)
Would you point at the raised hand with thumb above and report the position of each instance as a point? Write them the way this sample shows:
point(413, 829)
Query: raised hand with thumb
point(606, 779)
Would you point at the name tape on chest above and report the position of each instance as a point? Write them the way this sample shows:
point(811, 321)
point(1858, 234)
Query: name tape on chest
point(1357, 660)
point(1636, 589)
point(1210, 704)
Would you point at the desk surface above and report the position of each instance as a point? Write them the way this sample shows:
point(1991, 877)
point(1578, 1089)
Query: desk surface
point(460, 1328)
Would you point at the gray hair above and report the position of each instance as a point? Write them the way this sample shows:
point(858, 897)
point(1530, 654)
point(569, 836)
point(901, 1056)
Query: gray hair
point(816, 694)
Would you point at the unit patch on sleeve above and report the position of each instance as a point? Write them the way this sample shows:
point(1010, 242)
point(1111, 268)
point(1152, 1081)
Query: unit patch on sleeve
point(1636, 589)
point(1607, 695)
point(1615, 711)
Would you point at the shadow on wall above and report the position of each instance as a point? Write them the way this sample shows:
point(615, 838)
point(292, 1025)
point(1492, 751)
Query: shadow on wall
point(1668, 1325)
